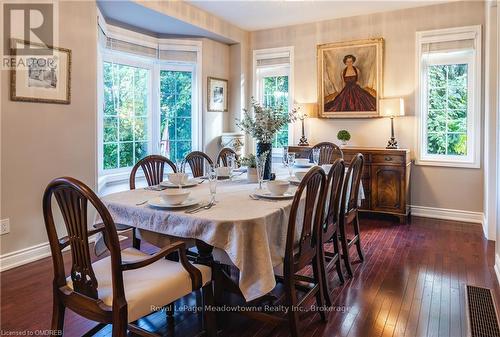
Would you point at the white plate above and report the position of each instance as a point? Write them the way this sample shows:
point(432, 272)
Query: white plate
point(268, 195)
point(159, 203)
point(189, 183)
point(304, 165)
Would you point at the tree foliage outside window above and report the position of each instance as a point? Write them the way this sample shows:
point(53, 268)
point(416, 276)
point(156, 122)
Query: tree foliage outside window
point(125, 115)
point(275, 95)
point(447, 109)
point(175, 113)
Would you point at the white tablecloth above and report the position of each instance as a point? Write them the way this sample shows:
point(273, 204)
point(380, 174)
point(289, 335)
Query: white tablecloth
point(251, 232)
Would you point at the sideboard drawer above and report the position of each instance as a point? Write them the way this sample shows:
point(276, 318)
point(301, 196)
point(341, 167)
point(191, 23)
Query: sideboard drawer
point(387, 159)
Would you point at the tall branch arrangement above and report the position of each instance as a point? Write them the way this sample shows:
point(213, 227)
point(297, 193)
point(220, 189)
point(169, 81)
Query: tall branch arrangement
point(265, 121)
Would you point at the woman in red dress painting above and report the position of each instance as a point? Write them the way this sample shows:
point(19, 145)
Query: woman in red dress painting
point(352, 97)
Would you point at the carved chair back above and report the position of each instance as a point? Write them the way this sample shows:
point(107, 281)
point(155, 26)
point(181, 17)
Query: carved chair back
point(300, 251)
point(350, 191)
point(335, 180)
point(197, 161)
point(153, 167)
point(73, 198)
point(329, 152)
point(223, 154)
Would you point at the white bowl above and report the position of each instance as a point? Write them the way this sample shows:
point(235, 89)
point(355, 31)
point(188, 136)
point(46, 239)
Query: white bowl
point(301, 161)
point(278, 187)
point(327, 168)
point(174, 196)
point(222, 171)
point(178, 178)
point(300, 174)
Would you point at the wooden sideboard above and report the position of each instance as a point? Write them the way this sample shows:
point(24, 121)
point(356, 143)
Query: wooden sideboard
point(386, 178)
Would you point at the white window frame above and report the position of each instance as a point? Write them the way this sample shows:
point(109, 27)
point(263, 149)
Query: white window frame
point(274, 70)
point(473, 59)
point(155, 65)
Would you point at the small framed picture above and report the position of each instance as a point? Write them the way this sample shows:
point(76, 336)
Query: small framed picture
point(217, 94)
point(41, 78)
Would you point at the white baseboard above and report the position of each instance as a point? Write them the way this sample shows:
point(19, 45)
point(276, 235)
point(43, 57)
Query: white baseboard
point(24, 256)
point(451, 214)
point(497, 267)
point(31, 254)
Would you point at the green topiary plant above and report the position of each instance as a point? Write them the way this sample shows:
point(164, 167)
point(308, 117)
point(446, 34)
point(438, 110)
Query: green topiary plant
point(344, 136)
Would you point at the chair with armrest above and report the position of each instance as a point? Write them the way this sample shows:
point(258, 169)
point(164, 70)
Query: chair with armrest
point(122, 287)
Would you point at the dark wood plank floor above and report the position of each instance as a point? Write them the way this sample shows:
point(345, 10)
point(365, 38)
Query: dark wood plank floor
point(411, 284)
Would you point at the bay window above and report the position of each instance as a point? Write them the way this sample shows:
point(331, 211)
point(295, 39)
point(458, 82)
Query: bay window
point(149, 99)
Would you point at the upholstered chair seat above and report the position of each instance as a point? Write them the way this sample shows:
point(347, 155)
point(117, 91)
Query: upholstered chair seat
point(147, 288)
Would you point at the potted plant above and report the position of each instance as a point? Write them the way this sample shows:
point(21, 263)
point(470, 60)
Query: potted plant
point(251, 165)
point(344, 136)
point(263, 124)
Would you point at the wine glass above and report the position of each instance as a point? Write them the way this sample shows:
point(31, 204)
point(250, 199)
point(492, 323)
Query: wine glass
point(316, 153)
point(261, 164)
point(290, 160)
point(212, 183)
point(179, 166)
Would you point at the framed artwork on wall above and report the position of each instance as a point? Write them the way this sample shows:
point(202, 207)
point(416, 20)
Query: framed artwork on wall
point(41, 78)
point(217, 94)
point(350, 78)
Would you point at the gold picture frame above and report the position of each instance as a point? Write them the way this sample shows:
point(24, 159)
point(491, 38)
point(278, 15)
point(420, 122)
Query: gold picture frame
point(41, 84)
point(350, 78)
point(217, 89)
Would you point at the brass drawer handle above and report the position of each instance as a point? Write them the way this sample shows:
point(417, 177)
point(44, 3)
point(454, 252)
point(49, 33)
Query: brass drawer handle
point(388, 158)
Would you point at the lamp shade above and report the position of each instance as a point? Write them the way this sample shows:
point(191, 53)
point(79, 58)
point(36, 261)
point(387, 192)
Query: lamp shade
point(392, 107)
point(308, 109)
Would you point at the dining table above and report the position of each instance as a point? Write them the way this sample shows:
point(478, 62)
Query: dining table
point(248, 232)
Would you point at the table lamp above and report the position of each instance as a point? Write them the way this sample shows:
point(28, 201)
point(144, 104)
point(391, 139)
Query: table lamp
point(306, 110)
point(392, 107)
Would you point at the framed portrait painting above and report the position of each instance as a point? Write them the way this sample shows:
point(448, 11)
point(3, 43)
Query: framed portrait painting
point(42, 78)
point(350, 78)
point(217, 94)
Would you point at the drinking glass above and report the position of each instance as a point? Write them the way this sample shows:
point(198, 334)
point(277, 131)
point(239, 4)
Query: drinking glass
point(261, 164)
point(231, 163)
point(316, 153)
point(212, 182)
point(179, 166)
point(290, 160)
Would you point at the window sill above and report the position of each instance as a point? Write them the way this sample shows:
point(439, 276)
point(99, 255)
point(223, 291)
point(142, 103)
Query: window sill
point(442, 163)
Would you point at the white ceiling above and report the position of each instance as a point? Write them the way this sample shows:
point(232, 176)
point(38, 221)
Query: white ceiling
point(264, 14)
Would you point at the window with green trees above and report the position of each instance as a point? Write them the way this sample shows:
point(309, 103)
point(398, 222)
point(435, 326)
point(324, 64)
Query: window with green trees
point(125, 133)
point(447, 97)
point(175, 113)
point(275, 94)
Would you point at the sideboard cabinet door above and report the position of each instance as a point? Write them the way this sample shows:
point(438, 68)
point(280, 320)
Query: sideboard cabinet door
point(387, 192)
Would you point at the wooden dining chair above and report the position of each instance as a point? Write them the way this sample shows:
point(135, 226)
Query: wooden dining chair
point(303, 248)
point(329, 152)
point(122, 287)
point(197, 161)
point(223, 154)
point(348, 215)
point(330, 225)
point(153, 167)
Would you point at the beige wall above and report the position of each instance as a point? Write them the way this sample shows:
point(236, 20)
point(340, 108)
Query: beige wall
point(215, 64)
point(431, 186)
point(43, 141)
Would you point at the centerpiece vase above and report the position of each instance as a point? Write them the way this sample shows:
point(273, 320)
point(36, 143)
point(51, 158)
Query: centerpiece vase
point(261, 148)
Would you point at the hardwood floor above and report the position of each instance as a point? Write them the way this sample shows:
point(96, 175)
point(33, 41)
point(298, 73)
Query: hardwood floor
point(411, 284)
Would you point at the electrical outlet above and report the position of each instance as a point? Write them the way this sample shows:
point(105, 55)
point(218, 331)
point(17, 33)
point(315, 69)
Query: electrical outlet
point(4, 226)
